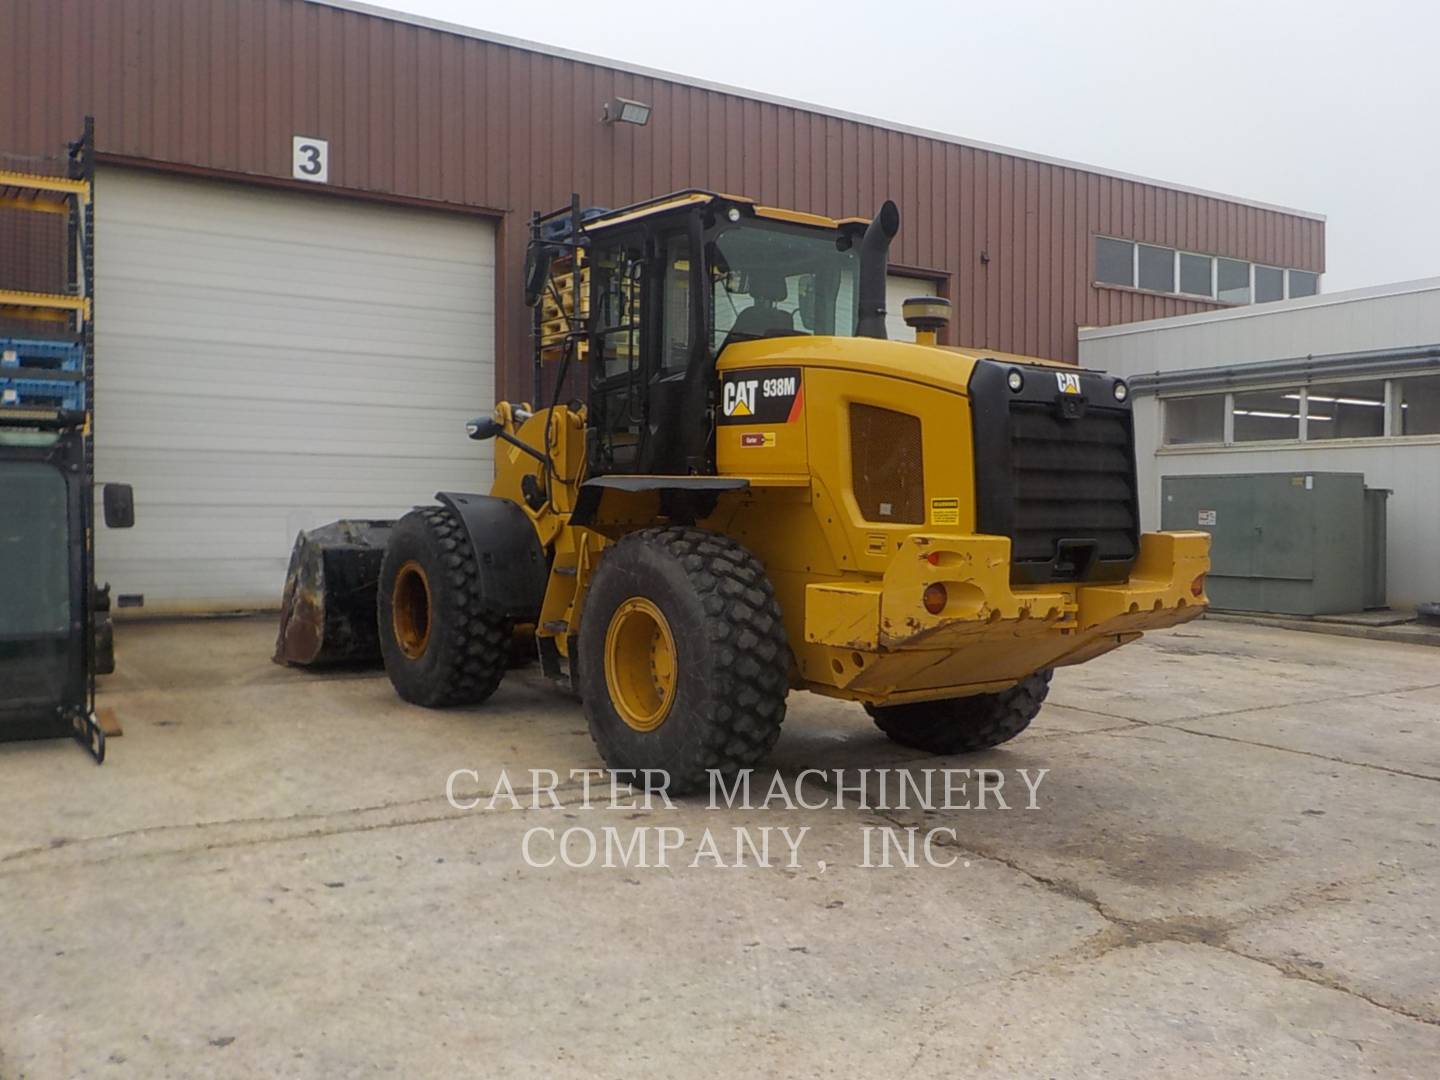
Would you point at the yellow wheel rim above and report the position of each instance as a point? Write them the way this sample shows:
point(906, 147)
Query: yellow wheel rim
point(410, 609)
point(640, 664)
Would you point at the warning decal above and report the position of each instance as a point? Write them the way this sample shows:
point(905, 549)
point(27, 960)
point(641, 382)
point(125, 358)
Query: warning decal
point(757, 438)
point(945, 511)
point(769, 395)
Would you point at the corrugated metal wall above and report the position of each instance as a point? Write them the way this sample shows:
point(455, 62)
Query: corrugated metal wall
point(416, 112)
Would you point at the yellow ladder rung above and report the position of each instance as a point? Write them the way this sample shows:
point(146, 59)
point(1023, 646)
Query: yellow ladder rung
point(54, 301)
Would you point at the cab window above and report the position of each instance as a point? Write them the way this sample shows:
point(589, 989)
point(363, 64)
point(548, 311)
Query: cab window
point(675, 331)
point(618, 325)
point(771, 281)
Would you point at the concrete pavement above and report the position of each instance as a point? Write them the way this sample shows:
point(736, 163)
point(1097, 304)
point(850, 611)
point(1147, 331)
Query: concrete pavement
point(1230, 871)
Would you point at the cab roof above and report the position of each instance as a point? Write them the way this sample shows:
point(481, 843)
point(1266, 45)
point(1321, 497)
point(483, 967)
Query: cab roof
point(664, 204)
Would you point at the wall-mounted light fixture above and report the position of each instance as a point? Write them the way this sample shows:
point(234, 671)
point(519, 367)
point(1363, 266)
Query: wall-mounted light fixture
point(624, 111)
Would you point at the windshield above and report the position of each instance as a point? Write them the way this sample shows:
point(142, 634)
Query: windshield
point(773, 281)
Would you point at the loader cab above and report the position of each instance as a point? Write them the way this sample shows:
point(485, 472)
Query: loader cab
point(671, 287)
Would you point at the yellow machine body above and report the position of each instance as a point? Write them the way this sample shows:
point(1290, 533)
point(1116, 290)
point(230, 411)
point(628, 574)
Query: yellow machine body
point(852, 590)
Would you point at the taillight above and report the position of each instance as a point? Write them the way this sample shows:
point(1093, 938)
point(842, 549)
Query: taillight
point(935, 598)
point(1197, 587)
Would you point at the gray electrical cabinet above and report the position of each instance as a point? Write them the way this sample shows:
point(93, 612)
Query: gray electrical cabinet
point(1310, 543)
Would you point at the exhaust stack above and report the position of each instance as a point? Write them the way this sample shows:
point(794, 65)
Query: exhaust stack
point(874, 262)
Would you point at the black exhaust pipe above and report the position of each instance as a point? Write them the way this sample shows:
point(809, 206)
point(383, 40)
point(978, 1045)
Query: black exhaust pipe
point(874, 262)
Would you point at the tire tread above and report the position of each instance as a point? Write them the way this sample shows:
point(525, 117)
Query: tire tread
point(476, 649)
point(751, 652)
point(964, 725)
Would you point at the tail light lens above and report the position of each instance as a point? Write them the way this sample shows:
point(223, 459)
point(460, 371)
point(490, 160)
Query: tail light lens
point(935, 598)
point(1197, 587)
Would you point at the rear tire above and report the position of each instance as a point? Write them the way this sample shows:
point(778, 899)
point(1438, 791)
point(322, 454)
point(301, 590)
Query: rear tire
point(684, 664)
point(964, 725)
point(441, 643)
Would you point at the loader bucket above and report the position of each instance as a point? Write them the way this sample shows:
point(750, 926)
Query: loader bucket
point(327, 615)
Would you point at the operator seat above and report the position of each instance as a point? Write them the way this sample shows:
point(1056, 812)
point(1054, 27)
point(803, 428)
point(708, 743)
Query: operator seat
point(762, 318)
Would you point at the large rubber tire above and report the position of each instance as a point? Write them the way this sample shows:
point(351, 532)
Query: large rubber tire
point(731, 659)
point(964, 725)
point(466, 647)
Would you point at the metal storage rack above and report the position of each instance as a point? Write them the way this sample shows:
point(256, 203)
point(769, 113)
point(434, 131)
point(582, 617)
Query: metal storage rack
point(48, 380)
point(48, 663)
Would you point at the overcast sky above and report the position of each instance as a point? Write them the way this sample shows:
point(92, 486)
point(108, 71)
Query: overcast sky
point(1324, 105)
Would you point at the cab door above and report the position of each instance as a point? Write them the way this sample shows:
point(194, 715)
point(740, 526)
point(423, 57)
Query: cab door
point(620, 278)
point(641, 351)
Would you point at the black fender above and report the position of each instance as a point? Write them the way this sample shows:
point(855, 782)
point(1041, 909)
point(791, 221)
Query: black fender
point(587, 503)
point(513, 569)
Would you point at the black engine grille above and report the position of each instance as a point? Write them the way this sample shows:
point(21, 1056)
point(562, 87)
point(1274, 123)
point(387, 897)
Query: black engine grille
point(1056, 474)
point(1073, 479)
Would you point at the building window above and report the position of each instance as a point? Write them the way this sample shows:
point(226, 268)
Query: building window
point(1195, 274)
point(1185, 273)
point(1269, 284)
point(1366, 409)
point(1266, 415)
point(1232, 280)
point(1114, 261)
point(1302, 283)
point(1191, 420)
point(1156, 266)
point(1417, 401)
point(1353, 410)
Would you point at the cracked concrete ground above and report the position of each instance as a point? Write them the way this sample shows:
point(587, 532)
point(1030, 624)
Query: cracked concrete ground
point(1231, 871)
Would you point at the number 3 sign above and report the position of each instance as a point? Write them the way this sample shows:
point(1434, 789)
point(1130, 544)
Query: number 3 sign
point(310, 159)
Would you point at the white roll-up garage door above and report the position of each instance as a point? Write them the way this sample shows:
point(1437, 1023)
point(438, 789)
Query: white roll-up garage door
point(267, 361)
point(898, 289)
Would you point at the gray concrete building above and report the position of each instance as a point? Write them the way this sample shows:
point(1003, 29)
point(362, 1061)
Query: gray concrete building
point(1345, 382)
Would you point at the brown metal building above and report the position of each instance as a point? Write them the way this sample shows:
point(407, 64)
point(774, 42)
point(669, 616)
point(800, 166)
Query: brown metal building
point(200, 108)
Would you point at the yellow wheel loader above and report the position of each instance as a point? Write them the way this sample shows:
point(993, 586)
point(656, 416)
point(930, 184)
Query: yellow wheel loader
point(761, 494)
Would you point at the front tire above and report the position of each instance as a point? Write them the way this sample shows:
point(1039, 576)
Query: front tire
point(964, 725)
point(684, 664)
point(441, 643)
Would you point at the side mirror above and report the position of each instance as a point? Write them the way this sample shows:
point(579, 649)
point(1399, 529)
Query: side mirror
point(119, 503)
point(483, 427)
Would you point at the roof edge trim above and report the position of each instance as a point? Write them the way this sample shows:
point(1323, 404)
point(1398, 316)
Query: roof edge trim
point(1256, 311)
point(441, 26)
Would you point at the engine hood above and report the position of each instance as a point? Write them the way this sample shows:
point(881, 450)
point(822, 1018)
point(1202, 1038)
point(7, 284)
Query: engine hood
point(945, 367)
